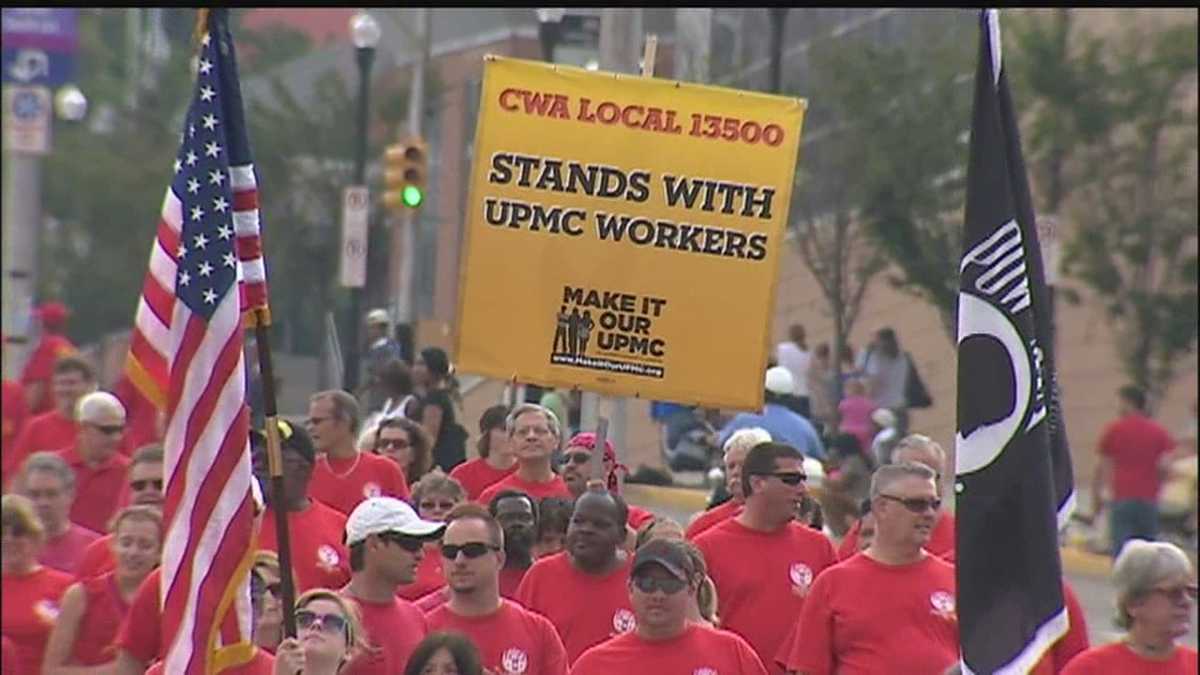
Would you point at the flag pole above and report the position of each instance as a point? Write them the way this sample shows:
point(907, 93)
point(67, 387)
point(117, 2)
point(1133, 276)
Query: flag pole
point(275, 464)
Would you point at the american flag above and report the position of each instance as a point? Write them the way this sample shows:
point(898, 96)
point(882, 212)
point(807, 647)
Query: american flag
point(206, 270)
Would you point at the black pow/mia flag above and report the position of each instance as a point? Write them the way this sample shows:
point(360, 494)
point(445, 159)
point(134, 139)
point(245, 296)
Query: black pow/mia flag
point(1014, 485)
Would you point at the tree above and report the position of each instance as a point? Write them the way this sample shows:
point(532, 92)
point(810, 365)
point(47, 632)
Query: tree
point(1114, 140)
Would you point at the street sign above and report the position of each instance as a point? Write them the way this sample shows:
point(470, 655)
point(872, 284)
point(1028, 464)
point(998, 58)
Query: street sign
point(39, 46)
point(353, 269)
point(27, 116)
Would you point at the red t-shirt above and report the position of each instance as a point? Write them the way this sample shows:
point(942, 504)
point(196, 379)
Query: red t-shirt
point(941, 540)
point(30, 607)
point(762, 577)
point(712, 517)
point(261, 664)
point(97, 559)
point(141, 633)
point(864, 617)
point(48, 431)
point(319, 559)
point(477, 475)
point(1119, 658)
point(343, 483)
point(40, 367)
point(698, 649)
point(8, 656)
point(100, 622)
point(510, 640)
point(1135, 444)
point(555, 487)
point(432, 600)
point(586, 609)
point(13, 415)
point(638, 516)
point(96, 488)
point(429, 576)
point(64, 552)
point(393, 630)
point(510, 581)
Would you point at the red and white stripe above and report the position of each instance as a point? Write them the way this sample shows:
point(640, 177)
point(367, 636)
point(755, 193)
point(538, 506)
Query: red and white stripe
point(252, 280)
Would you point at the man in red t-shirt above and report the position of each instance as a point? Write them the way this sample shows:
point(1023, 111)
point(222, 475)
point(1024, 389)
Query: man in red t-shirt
point(55, 430)
point(386, 538)
point(344, 476)
point(533, 434)
point(40, 367)
point(517, 514)
point(891, 608)
point(577, 468)
point(49, 483)
point(319, 558)
point(762, 562)
point(736, 447)
point(144, 487)
point(510, 639)
point(1131, 452)
point(662, 581)
point(922, 450)
point(100, 470)
point(583, 589)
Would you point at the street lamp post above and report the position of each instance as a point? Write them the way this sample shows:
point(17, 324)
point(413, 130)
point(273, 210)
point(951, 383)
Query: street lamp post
point(549, 23)
point(365, 33)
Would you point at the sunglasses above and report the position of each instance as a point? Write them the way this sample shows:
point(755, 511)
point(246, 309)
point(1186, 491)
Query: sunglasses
point(444, 506)
point(410, 544)
point(330, 623)
point(792, 478)
point(108, 429)
point(139, 485)
point(577, 458)
point(917, 504)
point(474, 549)
point(1178, 594)
point(649, 584)
point(394, 443)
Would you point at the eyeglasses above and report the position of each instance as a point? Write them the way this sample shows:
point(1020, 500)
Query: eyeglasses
point(649, 584)
point(330, 623)
point(108, 429)
point(314, 421)
point(792, 478)
point(474, 549)
point(139, 485)
point(394, 443)
point(536, 431)
point(1178, 594)
point(917, 504)
point(441, 506)
point(404, 541)
point(577, 458)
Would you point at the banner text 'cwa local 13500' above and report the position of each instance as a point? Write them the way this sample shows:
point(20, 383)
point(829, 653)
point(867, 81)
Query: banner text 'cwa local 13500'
point(623, 234)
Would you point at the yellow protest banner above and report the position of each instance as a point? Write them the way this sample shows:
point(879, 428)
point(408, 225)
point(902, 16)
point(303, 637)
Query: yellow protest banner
point(623, 234)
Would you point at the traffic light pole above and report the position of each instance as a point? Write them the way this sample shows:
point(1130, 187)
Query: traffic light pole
point(366, 56)
point(406, 290)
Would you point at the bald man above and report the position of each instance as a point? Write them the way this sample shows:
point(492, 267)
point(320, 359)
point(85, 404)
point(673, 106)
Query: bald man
point(100, 470)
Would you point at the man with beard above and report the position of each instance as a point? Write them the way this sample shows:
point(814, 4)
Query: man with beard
point(736, 448)
point(576, 471)
point(664, 578)
point(583, 589)
point(534, 434)
point(386, 540)
point(510, 639)
point(517, 514)
point(762, 562)
point(893, 603)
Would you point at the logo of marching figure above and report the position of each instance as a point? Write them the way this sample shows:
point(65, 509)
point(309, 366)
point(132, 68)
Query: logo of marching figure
point(573, 331)
point(609, 330)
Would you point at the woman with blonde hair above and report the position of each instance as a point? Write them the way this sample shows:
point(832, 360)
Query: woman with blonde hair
point(329, 634)
point(268, 627)
point(1156, 596)
point(92, 609)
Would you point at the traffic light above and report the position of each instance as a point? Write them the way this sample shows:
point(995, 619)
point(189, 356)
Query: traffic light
point(406, 173)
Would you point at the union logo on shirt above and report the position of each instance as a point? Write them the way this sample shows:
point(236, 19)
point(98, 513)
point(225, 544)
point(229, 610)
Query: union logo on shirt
point(372, 490)
point(705, 670)
point(943, 604)
point(802, 578)
point(46, 610)
point(327, 557)
point(623, 621)
point(514, 661)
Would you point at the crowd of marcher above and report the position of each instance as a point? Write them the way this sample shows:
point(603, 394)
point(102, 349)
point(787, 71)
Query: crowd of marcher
point(411, 557)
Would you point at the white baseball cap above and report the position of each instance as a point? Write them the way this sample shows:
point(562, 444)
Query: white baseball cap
point(779, 381)
point(378, 316)
point(377, 515)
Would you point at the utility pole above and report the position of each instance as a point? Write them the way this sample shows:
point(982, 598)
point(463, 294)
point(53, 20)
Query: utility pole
point(405, 290)
point(23, 226)
point(778, 20)
point(693, 44)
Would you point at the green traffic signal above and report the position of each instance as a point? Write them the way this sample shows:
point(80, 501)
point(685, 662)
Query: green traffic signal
point(412, 196)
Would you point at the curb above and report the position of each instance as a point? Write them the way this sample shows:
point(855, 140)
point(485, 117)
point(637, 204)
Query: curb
point(1074, 560)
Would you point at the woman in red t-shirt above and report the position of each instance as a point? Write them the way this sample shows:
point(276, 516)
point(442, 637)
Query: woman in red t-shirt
point(404, 442)
point(1156, 595)
point(92, 609)
point(495, 461)
point(30, 591)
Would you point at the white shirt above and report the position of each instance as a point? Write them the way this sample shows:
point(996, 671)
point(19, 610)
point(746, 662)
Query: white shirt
point(796, 360)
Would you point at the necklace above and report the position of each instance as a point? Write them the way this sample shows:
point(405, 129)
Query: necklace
point(347, 472)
